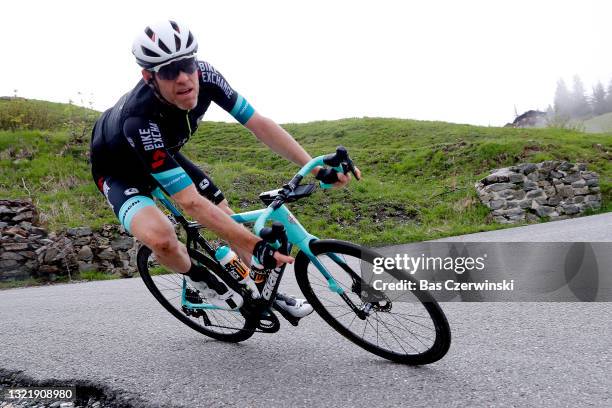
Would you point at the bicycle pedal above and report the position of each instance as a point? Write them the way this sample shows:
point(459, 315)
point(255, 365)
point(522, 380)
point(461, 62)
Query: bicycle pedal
point(291, 319)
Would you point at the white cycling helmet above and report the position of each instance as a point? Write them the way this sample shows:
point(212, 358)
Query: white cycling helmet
point(163, 42)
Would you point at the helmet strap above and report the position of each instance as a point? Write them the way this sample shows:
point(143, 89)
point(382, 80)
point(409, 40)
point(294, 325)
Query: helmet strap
point(153, 85)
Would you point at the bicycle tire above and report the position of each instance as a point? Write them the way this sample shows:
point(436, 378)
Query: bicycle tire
point(315, 289)
point(242, 331)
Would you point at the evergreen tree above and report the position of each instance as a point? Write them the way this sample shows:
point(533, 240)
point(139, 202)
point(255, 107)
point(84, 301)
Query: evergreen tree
point(563, 102)
point(608, 102)
point(598, 101)
point(579, 103)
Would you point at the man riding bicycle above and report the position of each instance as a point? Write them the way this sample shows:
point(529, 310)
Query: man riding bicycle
point(135, 149)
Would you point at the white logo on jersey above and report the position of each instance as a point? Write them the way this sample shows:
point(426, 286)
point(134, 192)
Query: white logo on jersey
point(204, 184)
point(106, 191)
point(131, 191)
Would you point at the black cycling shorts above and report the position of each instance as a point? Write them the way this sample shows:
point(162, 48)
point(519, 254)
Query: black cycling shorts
point(127, 195)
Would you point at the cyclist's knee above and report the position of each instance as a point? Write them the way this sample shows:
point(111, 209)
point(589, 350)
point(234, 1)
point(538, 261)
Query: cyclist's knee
point(164, 243)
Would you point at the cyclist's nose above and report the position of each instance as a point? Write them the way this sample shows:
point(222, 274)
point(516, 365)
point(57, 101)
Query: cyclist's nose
point(182, 77)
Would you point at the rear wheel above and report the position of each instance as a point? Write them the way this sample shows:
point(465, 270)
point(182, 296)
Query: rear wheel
point(400, 325)
point(166, 286)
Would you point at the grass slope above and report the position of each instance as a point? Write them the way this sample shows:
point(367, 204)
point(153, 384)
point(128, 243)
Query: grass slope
point(599, 124)
point(417, 176)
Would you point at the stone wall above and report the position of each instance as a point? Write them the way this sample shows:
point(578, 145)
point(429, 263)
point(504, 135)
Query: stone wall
point(554, 189)
point(27, 250)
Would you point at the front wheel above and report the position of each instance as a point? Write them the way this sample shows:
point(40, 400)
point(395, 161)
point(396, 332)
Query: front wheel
point(400, 325)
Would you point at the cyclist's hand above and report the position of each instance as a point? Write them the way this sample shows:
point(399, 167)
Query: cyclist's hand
point(269, 257)
point(331, 176)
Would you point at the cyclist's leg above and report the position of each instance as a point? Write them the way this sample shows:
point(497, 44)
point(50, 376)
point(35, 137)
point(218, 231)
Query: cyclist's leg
point(132, 204)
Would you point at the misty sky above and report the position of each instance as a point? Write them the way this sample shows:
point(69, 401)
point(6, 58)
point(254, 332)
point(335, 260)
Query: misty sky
point(456, 61)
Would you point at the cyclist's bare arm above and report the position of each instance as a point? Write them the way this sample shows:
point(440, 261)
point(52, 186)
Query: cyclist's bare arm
point(215, 219)
point(282, 143)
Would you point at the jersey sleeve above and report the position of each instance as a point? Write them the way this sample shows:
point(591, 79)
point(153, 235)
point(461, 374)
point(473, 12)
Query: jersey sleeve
point(145, 138)
point(223, 95)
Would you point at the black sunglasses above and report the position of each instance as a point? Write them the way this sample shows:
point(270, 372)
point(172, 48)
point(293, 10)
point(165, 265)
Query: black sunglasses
point(171, 71)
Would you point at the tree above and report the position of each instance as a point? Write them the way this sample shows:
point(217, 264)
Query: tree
point(598, 101)
point(563, 102)
point(579, 102)
point(609, 98)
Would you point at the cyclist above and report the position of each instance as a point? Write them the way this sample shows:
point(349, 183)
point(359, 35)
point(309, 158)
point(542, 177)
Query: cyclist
point(135, 148)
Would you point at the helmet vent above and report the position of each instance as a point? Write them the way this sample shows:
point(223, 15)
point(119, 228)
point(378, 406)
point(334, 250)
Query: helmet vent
point(189, 40)
point(164, 47)
point(177, 42)
point(150, 33)
point(148, 52)
point(175, 26)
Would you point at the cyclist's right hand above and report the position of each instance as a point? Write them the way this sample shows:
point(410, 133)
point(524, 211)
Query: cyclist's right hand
point(264, 254)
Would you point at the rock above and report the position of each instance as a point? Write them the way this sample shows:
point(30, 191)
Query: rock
point(544, 210)
point(533, 176)
point(496, 204)
point(581, 191)
point(525, 203)
point(79, 232)
point(82, 241)
point(535, 193)
point(107, 254)
point(123, 243)
point(85, 254)
point(571, 178)
point(557, 174)
point(581, 166)
point(571, 209)
point(16, 231)
point(554, 200)
point(594, 189)
point(564, 166)
point(515, 178)
point(532, 217)
point(530, 185)
point(500, 186)
point(527, 168)
point(565, 191)
point(28, 215)
point(50, 254)
point(505, 194)
point(15, 247)
point(518, 194)
point(592, 182)
point(3, 224)
point(578, 184)
point(87, 266)
point(11, 255)
point(4, 210)
point(512, 204)
point(588, 175)
point(593, 198)
point(578, 199)
point(38, 231)
point(8, 263)
point(48, 269)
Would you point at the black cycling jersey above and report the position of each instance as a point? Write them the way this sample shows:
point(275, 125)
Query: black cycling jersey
point(135, 143)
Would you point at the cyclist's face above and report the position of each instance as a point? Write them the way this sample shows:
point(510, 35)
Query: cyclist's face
point(181, 91)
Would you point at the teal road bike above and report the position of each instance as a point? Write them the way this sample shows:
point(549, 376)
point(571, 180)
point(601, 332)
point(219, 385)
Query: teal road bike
point(405, 326)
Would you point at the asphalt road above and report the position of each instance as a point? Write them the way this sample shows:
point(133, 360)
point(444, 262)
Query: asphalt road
point(114, 334)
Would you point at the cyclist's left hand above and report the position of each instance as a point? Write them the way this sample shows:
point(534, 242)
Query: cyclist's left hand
point(343, 179)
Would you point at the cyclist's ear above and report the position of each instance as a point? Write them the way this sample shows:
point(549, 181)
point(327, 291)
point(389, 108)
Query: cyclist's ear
point(147, 76)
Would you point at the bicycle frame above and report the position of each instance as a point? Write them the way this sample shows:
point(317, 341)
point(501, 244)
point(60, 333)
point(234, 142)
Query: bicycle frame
point(296, 235)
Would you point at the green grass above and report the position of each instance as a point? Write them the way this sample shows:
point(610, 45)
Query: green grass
point(96, 275)
point(417, 176)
